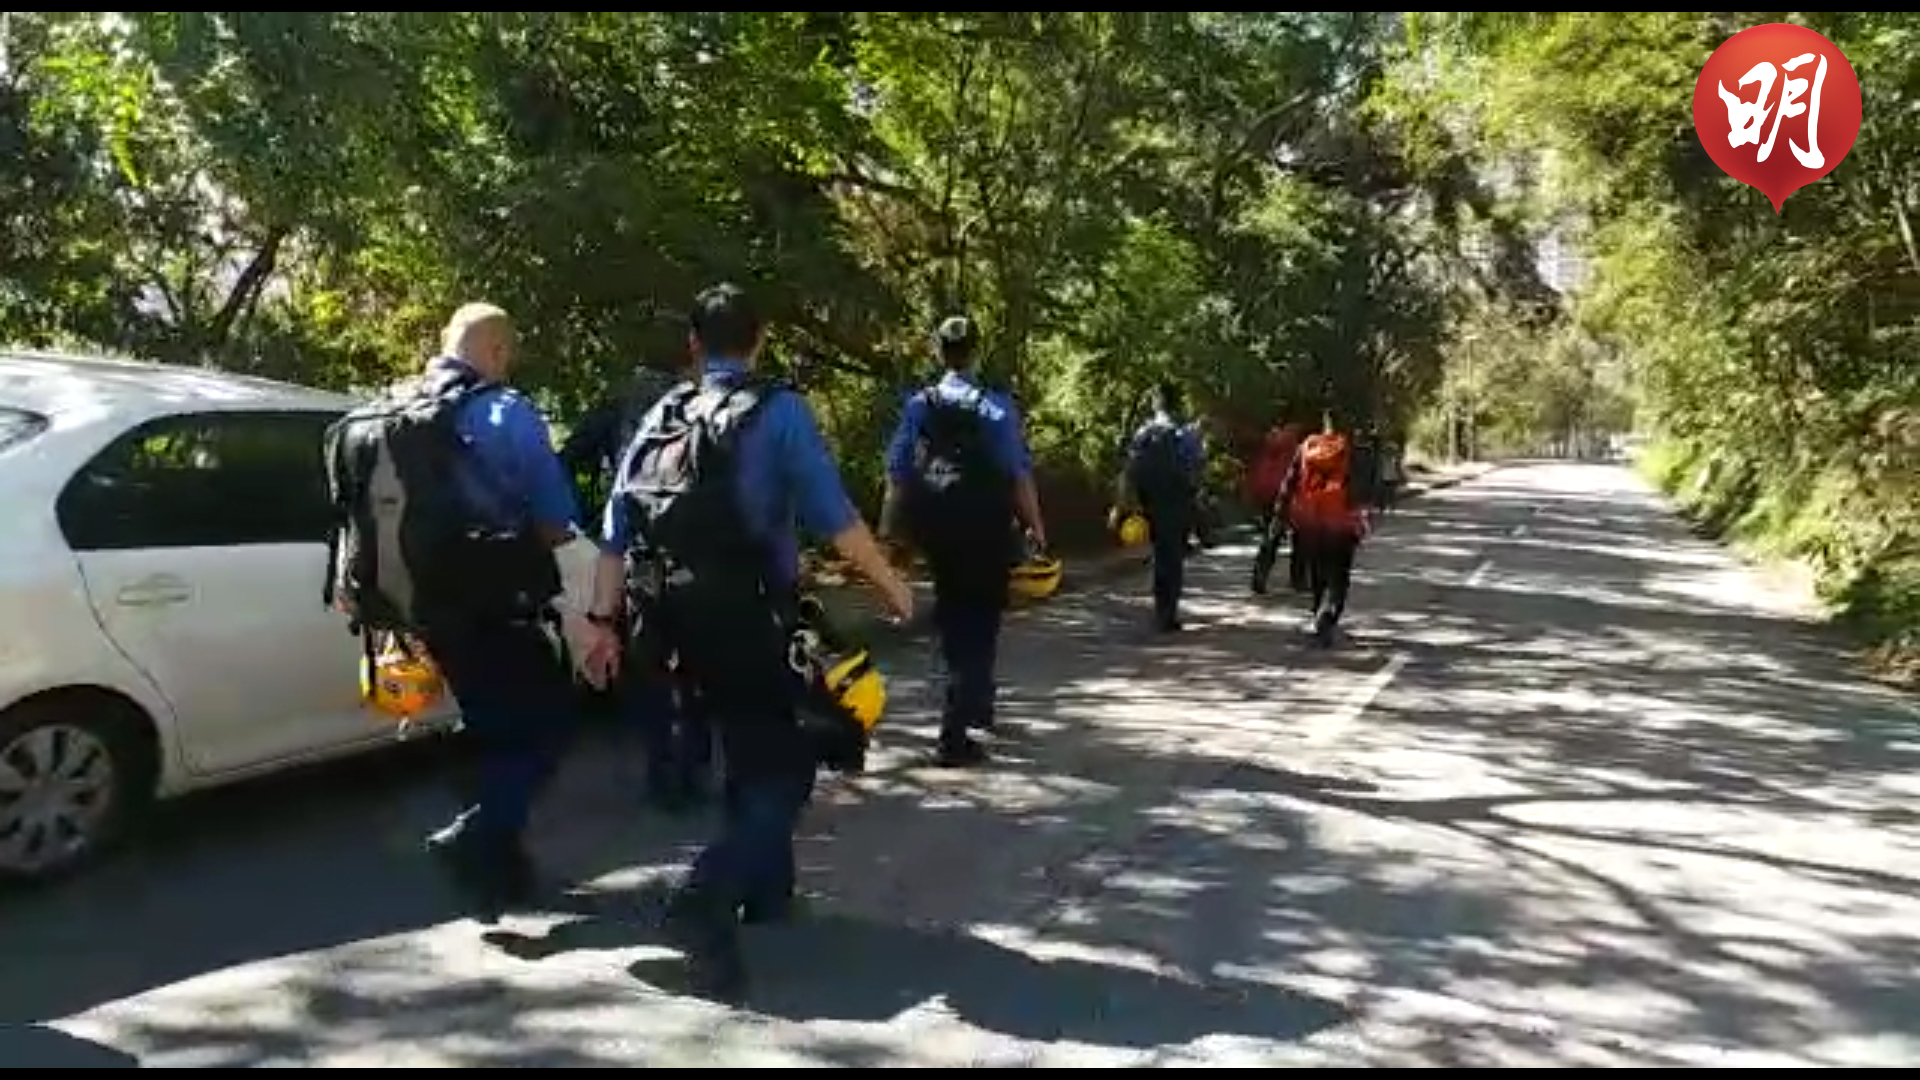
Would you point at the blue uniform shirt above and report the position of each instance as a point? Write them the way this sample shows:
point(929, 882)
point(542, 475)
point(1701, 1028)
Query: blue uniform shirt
point(788, 481)
point(1004, 438)
point(1192, 458)
point(513, 479)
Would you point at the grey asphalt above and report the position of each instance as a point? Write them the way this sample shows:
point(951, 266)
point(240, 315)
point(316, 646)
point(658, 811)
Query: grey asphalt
point(1580, 790)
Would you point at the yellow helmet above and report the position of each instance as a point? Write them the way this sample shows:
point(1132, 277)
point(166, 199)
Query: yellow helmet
point(1036, 579)
point(857, 688)
point(1132, 530)
point(399, 683)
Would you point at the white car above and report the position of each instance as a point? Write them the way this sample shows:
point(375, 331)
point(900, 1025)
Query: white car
point(161, 622)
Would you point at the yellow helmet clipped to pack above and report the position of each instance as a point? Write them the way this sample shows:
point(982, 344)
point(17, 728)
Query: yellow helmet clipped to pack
point(399, 681)
point(857, 688)
point(843, 675)
point(1036, 578)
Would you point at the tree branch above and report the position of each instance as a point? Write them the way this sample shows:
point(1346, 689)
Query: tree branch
point(247, 287)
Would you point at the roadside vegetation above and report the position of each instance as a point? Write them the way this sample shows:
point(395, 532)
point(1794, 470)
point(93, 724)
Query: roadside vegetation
point(1273, 209)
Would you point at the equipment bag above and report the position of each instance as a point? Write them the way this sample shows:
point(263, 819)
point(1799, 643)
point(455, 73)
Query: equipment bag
point(1155, 470)
point(697, 574)
point(958, 499)
point(390, 466)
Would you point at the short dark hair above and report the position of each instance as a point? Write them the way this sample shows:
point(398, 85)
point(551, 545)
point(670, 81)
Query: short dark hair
point(726, 322)
point(955, 338)
point(1167, 397)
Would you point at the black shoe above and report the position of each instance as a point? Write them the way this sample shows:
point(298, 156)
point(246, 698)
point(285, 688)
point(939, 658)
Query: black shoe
point(1168, 625)
point(777, 911)
point(1324, 625)
point(492, 881)
point(708, 937)
point(959, 753)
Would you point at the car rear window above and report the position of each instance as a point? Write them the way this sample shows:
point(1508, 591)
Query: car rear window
point(17, 426)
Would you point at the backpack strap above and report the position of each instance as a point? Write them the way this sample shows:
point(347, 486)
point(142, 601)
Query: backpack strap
point(453, 394)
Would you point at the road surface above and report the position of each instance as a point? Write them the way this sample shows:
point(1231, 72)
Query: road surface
point(1581, 791)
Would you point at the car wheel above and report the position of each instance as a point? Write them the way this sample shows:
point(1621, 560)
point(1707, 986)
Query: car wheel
point(72, 773)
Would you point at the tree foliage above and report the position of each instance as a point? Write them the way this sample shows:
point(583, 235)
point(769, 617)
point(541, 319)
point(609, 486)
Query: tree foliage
point(1278, 210)
point(1117, 198)
point(1776, 356)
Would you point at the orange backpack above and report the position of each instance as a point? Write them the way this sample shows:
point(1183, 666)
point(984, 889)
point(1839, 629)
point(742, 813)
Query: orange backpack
point(1320, 499)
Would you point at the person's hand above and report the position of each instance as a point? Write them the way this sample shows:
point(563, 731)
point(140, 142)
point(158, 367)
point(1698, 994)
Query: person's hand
point(1038, 536)
point(600, 656)
point(897, 595)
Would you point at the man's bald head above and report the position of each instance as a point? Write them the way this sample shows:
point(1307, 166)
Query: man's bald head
point(482, 336)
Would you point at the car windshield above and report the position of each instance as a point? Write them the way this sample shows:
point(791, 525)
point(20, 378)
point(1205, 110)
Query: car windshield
point(17, 426)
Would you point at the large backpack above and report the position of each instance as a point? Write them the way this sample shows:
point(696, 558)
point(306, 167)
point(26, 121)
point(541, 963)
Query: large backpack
point(645, 390)
point(1323, 497)
point(959, 500)
point(408, 548)
point(1158, 475)
point(697, 573)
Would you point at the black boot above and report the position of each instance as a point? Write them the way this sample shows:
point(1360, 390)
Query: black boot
point(493, 877)
point(959, 751)
point(1324, 624)
point(707, 933)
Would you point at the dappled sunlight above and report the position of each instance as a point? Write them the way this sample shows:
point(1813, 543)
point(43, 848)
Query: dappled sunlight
point(1518, 822)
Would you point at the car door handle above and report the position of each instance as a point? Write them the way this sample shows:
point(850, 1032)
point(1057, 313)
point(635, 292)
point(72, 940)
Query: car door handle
point(155, 591)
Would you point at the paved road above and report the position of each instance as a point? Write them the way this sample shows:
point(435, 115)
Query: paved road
point(1580, 792)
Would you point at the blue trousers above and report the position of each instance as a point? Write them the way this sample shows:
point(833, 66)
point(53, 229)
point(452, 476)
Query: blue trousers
point(969, 629)
point(739, 680)
point(1169, 530)
point(751, 861)
point(516, 702)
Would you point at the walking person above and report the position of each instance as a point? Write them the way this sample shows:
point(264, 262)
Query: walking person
point(1328, 519)
point(958, 475)
point(451, 501)
point(1263, 492)
point(1162, 479)
point(677, 741)
point(700, 558)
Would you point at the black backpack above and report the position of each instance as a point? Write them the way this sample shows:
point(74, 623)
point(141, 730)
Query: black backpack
point(1156, 471)
point(696, 571)
point(407, 549)
point(958, 498)
point(645, 390)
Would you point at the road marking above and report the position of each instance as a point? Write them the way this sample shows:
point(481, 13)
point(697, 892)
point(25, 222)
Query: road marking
point(1323, 728)
point(1479, 573)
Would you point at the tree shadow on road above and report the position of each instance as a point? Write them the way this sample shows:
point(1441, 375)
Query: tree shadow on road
point(880, 970)
point(1552, 818)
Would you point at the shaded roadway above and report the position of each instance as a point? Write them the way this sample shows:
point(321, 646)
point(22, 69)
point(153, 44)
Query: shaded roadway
point(1580, 791)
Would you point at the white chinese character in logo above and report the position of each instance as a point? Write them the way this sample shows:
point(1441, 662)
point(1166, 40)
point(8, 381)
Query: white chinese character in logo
point(1746, 118)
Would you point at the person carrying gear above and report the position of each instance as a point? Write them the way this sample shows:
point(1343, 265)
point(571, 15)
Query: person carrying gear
point(451, 501)
point(1328, 522)
point(1162, 479)
point(958, 475)
point(593, 447)
point(677, 741)
point(1263, 491)
point(699, 556)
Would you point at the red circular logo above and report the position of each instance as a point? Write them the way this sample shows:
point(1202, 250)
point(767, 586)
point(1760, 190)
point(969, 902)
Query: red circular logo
point(1777, 107)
